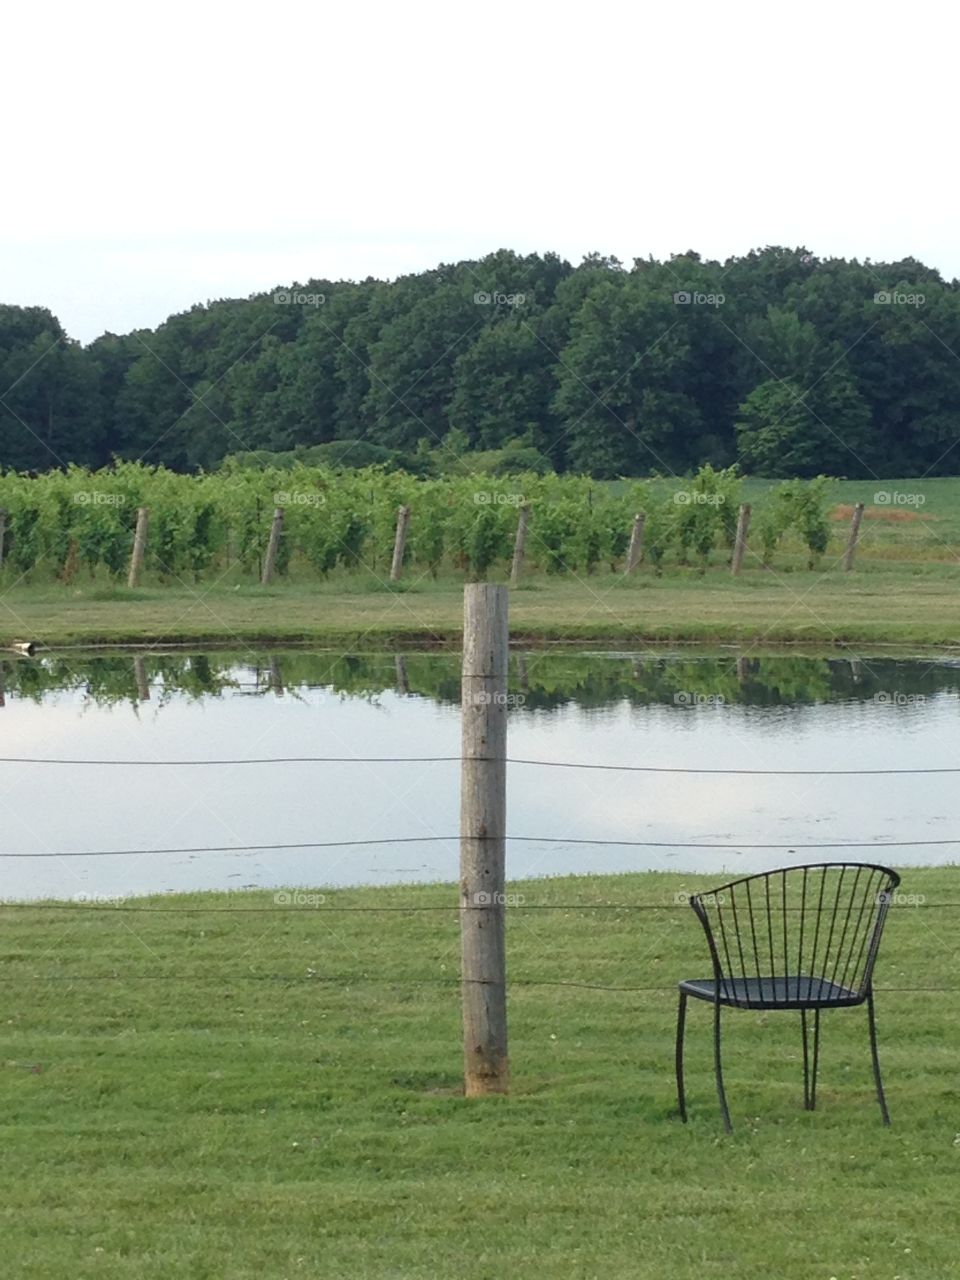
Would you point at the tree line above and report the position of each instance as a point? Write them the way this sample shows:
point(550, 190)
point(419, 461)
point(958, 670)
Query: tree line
point(779, 361)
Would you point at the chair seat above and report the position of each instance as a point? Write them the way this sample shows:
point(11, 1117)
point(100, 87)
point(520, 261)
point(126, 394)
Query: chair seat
point(791, 992)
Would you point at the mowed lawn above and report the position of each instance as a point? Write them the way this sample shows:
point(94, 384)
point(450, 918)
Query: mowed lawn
point(227, 1086)
point(897, 604)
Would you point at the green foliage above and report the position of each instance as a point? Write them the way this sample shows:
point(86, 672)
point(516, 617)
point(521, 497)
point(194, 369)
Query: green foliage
point(65, 522)
point(798, 505)
point(777, 359)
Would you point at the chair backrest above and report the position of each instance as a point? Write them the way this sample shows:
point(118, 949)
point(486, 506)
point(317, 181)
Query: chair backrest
point(821, 921)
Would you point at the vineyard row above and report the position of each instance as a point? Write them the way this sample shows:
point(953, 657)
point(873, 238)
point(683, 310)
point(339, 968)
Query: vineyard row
point(64, 522)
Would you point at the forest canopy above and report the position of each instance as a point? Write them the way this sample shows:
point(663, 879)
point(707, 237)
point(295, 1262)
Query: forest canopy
point(785, 363)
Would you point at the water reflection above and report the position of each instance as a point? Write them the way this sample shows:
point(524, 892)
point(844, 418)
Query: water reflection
point(688, 710)
point(547, 680)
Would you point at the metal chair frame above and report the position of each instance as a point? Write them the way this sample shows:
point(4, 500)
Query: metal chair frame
point(848, 901)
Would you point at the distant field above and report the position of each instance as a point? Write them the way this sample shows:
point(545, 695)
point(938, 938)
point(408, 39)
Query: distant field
point(277, 1094)
point(912, 520)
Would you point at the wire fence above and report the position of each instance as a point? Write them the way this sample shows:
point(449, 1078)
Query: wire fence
point(347, 980)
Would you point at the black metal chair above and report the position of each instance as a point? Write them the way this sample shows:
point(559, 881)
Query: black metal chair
point(802, 938)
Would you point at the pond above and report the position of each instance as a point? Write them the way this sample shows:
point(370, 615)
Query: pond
point(678, 710)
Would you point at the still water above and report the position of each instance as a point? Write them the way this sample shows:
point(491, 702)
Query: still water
point(685, 710)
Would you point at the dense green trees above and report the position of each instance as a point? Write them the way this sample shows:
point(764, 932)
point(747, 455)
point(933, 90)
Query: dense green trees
point(777, 360)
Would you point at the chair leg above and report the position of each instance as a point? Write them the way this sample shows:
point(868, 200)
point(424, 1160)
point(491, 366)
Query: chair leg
point(876, 1061)
point(816, 1059)
point(810, 1068)
point(718, 1066)
point(681, 1023)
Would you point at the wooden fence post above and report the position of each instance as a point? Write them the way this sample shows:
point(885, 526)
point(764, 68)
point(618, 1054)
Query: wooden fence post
point(403, 519)
point(635, 552)
point(740, 542)
point(519, 545)
point(273, 546)
point(139, 547)
point(854, 537)
point(483, 804)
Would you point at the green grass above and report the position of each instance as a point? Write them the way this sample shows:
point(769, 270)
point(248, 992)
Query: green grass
point(898, 604)
point(230, 1093)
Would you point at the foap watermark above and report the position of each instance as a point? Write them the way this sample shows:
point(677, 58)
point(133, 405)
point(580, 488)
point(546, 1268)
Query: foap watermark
point(100, 899)
point(484, 498)
point(684, 698)
point(895, 698)
point(894, 498)
point(902, 899)
point(691, 298)
point(483, 698)
point(299, 498)
point(491, 899)
point(689, 498)
point(484, 299)
point(682, 899)
point(893, 297)
point(299, 898)
point(99, 498)
point(296, 298)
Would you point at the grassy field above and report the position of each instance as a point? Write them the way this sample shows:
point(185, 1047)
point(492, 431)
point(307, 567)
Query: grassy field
point(903, 590)
point(262, 1091)
point(896, 604)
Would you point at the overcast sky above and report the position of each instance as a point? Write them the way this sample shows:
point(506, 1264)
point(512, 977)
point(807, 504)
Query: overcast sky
point(157, 157)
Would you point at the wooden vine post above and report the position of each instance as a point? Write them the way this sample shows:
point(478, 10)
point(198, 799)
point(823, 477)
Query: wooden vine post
point(854, 537)
point(139, 547)
point(740, 541)
point(273, 547)
point(400, 542)
point(520, 545)
point(483, 805)
point(635, 550)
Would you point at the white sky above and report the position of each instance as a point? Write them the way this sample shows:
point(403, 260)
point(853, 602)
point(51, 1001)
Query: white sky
point(159, 156)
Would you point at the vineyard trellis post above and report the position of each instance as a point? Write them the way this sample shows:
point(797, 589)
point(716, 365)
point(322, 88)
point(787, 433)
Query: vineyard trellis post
point(273, 547)
point(635, 551)
point(400, 542)
point(854, 537)
point(740, 540)
point(520, 545)
point(483, 804)
point(139, 547)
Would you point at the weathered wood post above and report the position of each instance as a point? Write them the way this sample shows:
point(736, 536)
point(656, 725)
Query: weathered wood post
point(403, 519)
point(483, 803)
point(635, 550)
point(740, 541)
point(854, 537)
point(273, 547)
point(140, 674)
point(519, 545)
point(139, 547)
